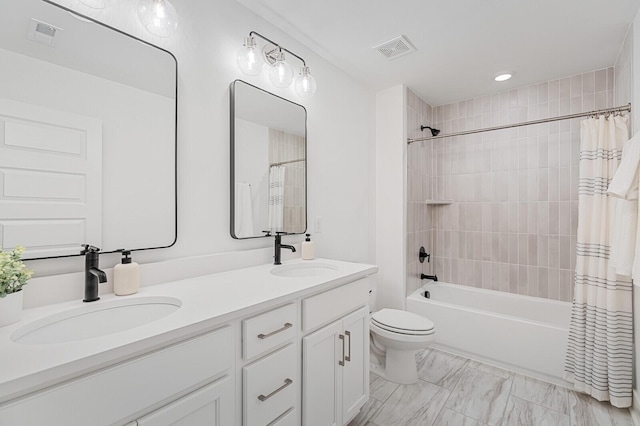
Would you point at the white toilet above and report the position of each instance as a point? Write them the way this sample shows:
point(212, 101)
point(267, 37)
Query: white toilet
point(396, 336)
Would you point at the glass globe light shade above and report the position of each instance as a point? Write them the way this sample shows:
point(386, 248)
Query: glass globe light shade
point(95, 4)
point(159, 17)
point(305, 83)
point(281, 73)
point(249, 58)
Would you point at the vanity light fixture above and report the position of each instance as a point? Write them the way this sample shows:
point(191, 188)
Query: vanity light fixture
point(280, 73)
point(305, 83)
point(159, 17)
point(250, 62)
point(249, 59)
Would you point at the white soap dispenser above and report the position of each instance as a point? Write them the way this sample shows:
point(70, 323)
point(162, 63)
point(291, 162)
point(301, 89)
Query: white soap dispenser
point(308, 249)
point(126, 276)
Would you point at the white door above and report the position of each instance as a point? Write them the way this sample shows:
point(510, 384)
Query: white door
point(50, 179)
point(321, 354)
point(212, 405)
point(355, 379)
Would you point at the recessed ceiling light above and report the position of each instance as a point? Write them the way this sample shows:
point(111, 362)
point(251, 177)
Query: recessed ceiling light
point(503, 77)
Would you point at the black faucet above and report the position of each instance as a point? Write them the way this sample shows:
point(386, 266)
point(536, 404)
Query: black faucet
point(428, 277)
point(278, 246)
point(92, 274)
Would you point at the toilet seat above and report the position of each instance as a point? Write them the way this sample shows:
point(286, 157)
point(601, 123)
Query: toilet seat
point(402, 322)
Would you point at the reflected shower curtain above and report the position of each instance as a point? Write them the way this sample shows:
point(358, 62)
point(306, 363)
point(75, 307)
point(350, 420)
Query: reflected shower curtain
point(276, 198)
point(599, 353)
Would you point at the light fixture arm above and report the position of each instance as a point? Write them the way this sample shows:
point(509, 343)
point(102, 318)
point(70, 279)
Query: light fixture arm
point(252, 33)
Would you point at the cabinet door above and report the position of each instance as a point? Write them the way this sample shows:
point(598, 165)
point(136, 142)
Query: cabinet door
point(355, 379)
point(208, 406)
point(322, 351)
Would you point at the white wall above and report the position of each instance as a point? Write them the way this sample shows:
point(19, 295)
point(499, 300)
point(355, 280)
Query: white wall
point(340, 137)
point(391, 148)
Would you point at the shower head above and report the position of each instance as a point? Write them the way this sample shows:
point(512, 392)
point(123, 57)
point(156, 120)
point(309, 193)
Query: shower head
point(434, 132)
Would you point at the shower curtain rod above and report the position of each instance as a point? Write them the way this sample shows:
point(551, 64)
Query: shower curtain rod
point(286, 162)
point(624, 108)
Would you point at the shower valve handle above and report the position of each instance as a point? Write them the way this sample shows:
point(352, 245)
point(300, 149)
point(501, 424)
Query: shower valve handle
point(422, 254)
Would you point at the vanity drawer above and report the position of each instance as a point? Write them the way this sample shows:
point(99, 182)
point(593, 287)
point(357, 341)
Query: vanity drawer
point(268, 330)
point(288, 419)
point(270, 387)
point(129, 388)
point(325, 307)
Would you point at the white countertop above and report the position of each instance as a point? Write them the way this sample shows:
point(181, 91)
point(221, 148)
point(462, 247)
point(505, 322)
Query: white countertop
point(207, 301)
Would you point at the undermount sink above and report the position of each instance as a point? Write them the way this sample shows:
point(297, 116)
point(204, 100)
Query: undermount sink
point(303, 270)
point(96, 319)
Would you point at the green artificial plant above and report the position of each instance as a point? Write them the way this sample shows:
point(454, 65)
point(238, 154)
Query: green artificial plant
point(13, 272)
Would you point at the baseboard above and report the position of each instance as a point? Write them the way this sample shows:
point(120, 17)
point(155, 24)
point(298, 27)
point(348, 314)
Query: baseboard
point(635, 408)
point(510, 367)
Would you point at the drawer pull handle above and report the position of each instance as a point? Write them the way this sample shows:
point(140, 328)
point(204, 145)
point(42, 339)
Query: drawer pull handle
point(286, 326)
point(341, 337)
point(287, 382)
point(348, 357)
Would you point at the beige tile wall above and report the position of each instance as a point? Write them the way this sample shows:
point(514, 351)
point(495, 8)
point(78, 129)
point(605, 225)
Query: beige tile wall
point(420, 163)
point(512, 224)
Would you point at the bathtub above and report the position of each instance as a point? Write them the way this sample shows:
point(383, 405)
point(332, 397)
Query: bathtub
point(520, 333)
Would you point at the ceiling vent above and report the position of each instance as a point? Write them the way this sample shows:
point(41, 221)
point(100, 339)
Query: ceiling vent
point(41, 32)
point(396, 47)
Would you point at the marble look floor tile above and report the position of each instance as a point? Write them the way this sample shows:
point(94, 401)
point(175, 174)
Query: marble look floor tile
point(441, 368)
point(524, 413)
point(417, 404)
point(449, 417)
point(481, 396)
point(541, 393)
point(380, 388)
point(421, 355)
point(496, 371)
point(586, 411)
point(366, 412)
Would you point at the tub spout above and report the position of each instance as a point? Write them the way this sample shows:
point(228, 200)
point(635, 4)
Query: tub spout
point(428, 277)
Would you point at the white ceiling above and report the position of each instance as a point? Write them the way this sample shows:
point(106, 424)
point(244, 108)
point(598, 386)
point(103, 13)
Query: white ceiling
point(461, 44)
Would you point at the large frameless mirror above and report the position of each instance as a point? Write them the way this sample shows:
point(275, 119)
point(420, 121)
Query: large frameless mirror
point(268, 163)
point(87, 134)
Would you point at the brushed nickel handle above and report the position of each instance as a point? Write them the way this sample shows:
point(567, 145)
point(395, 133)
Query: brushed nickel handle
point(286, 326)
point(341, 337)
point(348, 357)
point(287, 382)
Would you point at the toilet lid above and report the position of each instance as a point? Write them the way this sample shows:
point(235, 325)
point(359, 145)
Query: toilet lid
point(402, 322)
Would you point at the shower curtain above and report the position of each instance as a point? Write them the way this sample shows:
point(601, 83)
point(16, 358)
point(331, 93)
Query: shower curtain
point(599, 354)
point(276, 198)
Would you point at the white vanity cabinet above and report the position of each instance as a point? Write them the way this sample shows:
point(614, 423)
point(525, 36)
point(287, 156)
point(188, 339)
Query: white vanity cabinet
point(296, 354)
point(211, 405)
point(335, 363)
point(116, 393)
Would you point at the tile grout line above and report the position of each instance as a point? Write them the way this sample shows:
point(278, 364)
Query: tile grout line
point(464, 367)
point(539, 405)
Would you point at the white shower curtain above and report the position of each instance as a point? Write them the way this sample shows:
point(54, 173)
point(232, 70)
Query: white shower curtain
point(276, 198)
point(599, 354)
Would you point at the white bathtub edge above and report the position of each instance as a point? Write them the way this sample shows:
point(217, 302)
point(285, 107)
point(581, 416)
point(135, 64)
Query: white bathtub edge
point(547, 366)
point(635, 408)
point(505, 366)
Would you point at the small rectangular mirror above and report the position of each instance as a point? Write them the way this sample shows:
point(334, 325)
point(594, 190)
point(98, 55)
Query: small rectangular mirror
point(268, 163)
